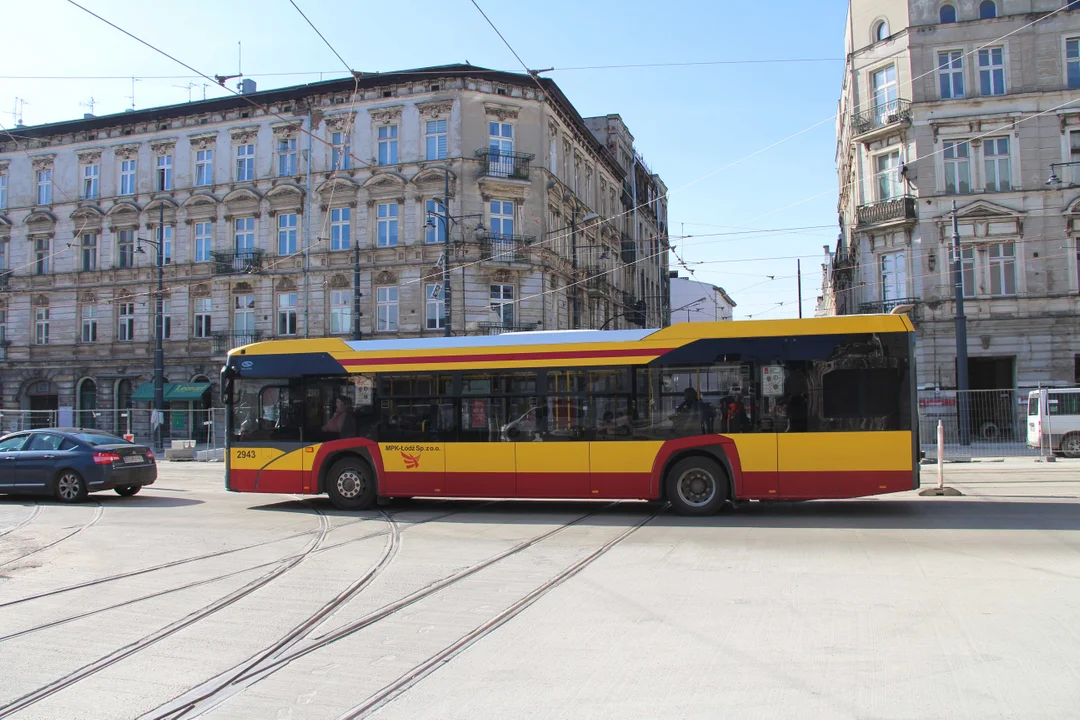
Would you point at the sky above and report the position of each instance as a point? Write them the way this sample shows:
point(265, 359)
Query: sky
point(741, 145)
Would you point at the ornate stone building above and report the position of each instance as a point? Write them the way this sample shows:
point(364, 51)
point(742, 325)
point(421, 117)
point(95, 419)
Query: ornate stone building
point(264, 203)
point(972, 101)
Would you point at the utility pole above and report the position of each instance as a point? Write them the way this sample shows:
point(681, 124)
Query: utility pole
point(798, 274)
point(961, 334)
point(159, 323)
point(574, 264)
point(356, 334)
point(446, 252)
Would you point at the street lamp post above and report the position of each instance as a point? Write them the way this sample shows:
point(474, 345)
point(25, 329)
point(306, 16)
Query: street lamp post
point(159, 328)
point(445, 218)
point(356, 334)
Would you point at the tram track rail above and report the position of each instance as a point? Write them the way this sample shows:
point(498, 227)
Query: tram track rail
point(98, 512)
point(25, 521)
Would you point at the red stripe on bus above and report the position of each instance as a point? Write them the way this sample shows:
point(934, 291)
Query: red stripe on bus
point(487, 357)
point(839, 484)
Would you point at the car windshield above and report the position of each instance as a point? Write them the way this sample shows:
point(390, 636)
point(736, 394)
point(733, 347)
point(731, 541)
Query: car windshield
point(100, 439)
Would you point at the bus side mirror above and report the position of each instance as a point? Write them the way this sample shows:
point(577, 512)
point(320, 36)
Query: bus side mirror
point(228, 376)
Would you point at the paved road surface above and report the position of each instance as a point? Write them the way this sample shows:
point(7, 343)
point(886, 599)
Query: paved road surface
point(189, 601)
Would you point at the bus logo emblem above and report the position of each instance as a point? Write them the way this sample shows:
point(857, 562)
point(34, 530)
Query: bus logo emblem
point(411, 461)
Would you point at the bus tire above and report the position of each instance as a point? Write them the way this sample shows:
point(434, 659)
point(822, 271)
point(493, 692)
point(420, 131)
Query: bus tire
point(1070, 445)
point(697, 486)
point(351, 484)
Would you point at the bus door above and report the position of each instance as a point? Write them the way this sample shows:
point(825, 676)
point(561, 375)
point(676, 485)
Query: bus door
point(553, 457)
point(416, 421)
point(758, 441)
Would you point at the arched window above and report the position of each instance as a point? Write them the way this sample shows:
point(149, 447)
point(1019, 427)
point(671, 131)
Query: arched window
point(881, 30)
point(87, 403)
point(987, 10)
point(948, 13)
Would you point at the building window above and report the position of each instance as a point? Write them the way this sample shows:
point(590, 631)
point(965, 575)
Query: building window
point(588, 186)
point(947, 14)
point(434, 223)
point(244, 317)
point(204, 168)
point(3, 254)
point(90, 181)
point(203, 317)
point(204, 241)
point(245, 163)
point(435, 310)
point(967, 271)
point(287, 157)
point(41, 326)
point(388, 150)
point(1072, 63)
point(126, 324)
point(286, 317)
point(41, 256)
point(163, 176)
point(387, 309)
point(340, 312)
point(893, 279)
point(166, 239)
point(957, 168)
point(502, 304)
point(435, 139)
point(125, 249)
point(987, 10)
point(996, 162)
point(992, 71)
point(881, 30)
point(387, 225)
point(886, 92)
point(553, 156)
point(1003, 269)
point(340, 151)
point(951, 74)
point(3, 191)
point(340, 222)
point(166, 320)
point(89, 254)
point(500, 149)
point(566, 161)
point(244, 235)
point(286, 236)
point(44, 187)
point(888, 176)
point(89, 324)
point(501, 217)
point(127, 177)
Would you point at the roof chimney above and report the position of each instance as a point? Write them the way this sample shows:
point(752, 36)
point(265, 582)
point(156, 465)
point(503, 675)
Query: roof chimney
point(88, 116)
point(247, 86)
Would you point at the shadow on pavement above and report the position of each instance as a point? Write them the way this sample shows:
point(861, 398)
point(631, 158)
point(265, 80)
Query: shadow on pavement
point(870, 514)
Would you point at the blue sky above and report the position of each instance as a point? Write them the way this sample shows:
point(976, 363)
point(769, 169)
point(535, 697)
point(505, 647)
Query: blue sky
point(696, 126)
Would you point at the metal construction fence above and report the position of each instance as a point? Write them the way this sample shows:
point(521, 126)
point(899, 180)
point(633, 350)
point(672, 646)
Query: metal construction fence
point(204, 427)
point(996, 423)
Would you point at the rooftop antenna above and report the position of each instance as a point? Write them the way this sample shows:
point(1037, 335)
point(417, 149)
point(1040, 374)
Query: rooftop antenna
point(132, 95)
point(17, 112)
point(188, 88)
point(204, 86)
point(239, 68)
point(89, 104)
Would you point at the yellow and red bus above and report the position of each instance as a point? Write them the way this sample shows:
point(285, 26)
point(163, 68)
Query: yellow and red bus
point(697, 414)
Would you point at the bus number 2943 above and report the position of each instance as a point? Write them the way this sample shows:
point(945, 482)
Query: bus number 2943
point(245, 454)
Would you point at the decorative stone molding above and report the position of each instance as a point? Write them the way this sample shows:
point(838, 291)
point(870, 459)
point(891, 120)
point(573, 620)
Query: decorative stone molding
point(386, 115)
point(244, 135)
point(200, 291)
point(4, 165)
point(339, 281)
point(502, 276)
point(88, 297)
point(42, 162)
point(40, 301)
point(340, 122)
point(502, 112)
point(127, 152)
point(163, 147)
point(285, 130)
point(385, 277)
point(286, 285)
point(203, 141)
point(553, 130)
point(90, 156)
point(242, 287)
point(435, 109)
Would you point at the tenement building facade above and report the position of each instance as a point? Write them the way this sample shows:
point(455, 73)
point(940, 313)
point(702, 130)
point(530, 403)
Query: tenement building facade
point(279, 214)
point(975, 102)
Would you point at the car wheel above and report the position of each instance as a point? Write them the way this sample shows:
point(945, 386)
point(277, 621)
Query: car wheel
point(1070, 445)
point(697, 486)
point(351, 484)
point(128, 490)
point(69, 487)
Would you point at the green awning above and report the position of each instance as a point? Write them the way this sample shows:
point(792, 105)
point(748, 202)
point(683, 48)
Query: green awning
point(179, 392)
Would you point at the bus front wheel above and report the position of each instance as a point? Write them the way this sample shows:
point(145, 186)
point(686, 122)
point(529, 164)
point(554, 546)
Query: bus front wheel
point(697, 486)
point(351, 484)
point(1070, 445)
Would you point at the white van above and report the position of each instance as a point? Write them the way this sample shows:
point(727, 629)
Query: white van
point(1054, 420)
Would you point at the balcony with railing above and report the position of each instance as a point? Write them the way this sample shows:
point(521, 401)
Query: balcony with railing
point(5, 279)
point(894, 210)
point(504, 164)
point(597, 280)
point(225, 341)
point(882, 118)
point(498, 249)
point(629, 249)
point(499, 328)
point(887, 306)
point(237, 262)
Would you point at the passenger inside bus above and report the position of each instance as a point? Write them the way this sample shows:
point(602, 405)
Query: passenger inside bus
point(342, 422)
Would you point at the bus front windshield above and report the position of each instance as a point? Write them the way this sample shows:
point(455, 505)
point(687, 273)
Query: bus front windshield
point(298, 409)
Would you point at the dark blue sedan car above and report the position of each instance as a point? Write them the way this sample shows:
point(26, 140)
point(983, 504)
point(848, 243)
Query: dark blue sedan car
point(69, 463)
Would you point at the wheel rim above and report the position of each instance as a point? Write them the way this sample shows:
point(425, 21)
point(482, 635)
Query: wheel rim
point(696, 487)
point(68, 486)
point(1072, 444)
point(350, 484)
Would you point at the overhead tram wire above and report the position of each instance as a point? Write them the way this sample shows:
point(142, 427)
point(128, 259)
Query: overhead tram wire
point(321, 36)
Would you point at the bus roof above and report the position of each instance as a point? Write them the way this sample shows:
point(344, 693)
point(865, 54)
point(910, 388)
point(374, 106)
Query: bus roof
point(569, 347)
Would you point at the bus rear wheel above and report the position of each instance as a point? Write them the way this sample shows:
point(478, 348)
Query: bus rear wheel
point(351, 484)
point(1070, 445)
point(697, 486)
